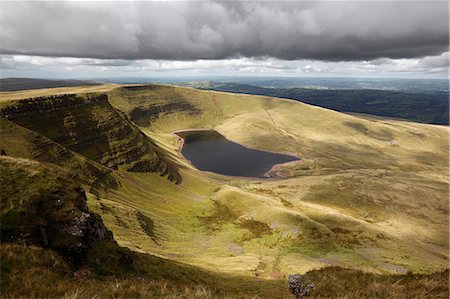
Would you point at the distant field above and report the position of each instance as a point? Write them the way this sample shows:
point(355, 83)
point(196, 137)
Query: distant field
point(14, 84)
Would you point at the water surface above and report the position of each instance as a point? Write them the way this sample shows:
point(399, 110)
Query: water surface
point(210, 151)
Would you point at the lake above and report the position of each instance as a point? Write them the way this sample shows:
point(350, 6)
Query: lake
point(210, 151)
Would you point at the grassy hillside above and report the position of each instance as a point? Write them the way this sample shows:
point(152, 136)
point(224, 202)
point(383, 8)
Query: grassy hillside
point(43, 273)
point(65, 250)
point(368, 195)
point(428, 107)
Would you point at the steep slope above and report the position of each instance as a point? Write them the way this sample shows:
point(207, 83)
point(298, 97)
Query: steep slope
point(49, 235)
point(20, 142)
point(89, 126)
point(146, 103)
point(41, 206)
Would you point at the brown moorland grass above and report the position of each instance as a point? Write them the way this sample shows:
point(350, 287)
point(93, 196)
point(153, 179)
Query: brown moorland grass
point(42, 274)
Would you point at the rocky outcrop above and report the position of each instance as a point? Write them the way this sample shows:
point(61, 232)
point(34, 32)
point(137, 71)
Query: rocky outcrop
point(165, 169)
point(141, 87)
point(147, 103)
point(72, 234)
point(41, 206)
point(143, 116)
point(48, 104)
point(90, 126)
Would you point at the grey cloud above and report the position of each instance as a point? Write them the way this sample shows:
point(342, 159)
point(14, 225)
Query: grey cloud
point(216, 30)
point(428, 66)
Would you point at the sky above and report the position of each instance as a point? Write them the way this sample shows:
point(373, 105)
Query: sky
point(86, 39)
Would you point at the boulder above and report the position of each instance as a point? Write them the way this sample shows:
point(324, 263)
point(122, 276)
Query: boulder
point(299, 285)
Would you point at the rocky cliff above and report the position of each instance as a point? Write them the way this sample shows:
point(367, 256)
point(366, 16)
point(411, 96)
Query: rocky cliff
point(90, 126)
point(146, 103)
point(20, 142)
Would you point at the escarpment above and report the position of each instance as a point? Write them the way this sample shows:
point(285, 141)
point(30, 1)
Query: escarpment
point(141, 87)
point(143, 116)
point(146, 103)
point(90, 126)
point(48, 104)
point(23, 143)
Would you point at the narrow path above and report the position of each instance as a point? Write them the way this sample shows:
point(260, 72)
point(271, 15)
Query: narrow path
point(271, 119)
point(277, 128)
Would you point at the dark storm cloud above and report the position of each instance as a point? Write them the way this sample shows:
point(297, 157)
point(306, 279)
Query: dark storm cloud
point(218, 30)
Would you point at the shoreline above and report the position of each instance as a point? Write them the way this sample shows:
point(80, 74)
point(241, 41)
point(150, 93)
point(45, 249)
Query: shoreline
point(263, 177)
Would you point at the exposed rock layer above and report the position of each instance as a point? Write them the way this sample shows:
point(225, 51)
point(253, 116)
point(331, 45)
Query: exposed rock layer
point(90, 126)
point(23, 143)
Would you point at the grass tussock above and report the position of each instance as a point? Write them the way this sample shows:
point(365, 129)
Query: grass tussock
point(43, 273)
point(337, 282)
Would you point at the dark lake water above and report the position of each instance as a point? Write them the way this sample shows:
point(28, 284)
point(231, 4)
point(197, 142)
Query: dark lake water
point(209, 150)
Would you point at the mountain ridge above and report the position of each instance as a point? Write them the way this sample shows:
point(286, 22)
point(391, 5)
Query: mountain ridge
point(16, 84)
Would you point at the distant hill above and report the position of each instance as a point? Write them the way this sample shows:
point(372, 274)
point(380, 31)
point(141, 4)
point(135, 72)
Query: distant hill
point(14, 84)
point(431, 107)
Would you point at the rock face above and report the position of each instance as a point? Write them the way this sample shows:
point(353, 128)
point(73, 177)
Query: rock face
point(90, 126)
point(72, 234)
point(48, 104)
point(143, 116)
point(147, 103)
point(47, 210)
point(299, 285)
point(141, 87)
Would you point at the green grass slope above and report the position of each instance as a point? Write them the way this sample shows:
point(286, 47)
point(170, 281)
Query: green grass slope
point(42, 273)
